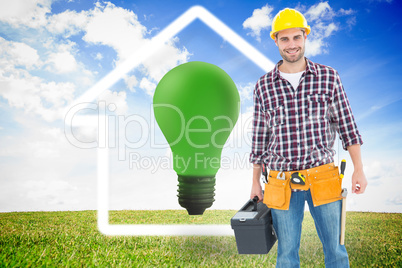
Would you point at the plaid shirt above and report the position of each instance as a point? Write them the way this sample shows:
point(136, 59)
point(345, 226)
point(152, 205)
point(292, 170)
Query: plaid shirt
point(294, 129)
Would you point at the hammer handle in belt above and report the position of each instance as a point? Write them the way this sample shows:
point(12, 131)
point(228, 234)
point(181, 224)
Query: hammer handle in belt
point(343, 221)
point(344, 194)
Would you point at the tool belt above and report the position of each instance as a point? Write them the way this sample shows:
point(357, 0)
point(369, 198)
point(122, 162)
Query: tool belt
point(324, 183)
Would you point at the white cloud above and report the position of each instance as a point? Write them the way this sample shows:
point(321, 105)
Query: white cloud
point(30, 13)
point(259, 21)
point(131, 82)
point(38, 189)
point(246, 91)
point(62, 59)
point(67, 23)
point(115, 27)
point(52, 192)
point(346, 12)
point(24, 55)
point(117, 99)
point(33, 95)
point(351, 22)
point(103, 22)
point(316, 43)
point(148, 86)
point(18, 54)
point(395, 200)
point(351, 17)
point(63, 62)
point(314, 47)
point(329, 29)
point(98, 56)
point(49, 173)
point(166, 58)
point(321, 19)
point(58, 94)
point(319, 12)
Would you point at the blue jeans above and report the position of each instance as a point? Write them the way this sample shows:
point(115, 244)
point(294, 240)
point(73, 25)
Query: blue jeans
point(288, 227)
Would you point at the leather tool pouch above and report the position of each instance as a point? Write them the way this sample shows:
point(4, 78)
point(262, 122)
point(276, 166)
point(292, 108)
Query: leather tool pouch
point(326, 187)
point(277, 193)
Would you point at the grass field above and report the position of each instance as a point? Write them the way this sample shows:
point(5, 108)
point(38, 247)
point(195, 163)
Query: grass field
point(60, 239)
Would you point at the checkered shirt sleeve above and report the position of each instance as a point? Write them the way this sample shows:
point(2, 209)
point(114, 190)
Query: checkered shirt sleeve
point(260, 130)
point(342, 116)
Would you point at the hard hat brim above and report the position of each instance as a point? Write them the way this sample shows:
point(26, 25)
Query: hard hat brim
point(307, 30)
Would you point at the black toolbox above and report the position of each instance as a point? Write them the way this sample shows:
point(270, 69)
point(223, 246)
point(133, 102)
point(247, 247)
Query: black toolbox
point(253, 229)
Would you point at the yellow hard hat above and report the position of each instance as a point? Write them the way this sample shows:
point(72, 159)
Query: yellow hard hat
point(288, 18)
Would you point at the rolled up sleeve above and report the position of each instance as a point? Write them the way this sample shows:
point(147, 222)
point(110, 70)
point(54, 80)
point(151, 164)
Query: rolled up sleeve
point(260, 129)
point(343, 117)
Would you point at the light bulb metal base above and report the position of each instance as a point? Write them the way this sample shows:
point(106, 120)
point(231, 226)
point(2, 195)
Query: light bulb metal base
point(196, 193)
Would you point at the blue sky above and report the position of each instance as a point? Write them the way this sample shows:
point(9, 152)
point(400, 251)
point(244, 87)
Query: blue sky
point(51, 52)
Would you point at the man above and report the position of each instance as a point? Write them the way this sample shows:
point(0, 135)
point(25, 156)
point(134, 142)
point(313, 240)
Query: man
point(298, 107)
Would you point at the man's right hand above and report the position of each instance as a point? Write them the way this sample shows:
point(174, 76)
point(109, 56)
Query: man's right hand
point(256, 190)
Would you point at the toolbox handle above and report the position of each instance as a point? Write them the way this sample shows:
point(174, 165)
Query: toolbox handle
point(255, 201)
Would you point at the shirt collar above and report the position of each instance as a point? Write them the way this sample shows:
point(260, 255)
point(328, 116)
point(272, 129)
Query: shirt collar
point(310, 68)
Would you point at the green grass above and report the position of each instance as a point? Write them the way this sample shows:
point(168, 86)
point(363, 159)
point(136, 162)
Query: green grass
point(32, 239)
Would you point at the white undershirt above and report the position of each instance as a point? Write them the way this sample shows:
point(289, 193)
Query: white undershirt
point(293, 78)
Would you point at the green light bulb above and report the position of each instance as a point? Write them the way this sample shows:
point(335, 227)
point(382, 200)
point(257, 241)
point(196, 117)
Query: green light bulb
point(196, 106)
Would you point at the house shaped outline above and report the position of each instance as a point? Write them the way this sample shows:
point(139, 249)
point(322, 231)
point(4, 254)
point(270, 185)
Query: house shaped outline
point(193, 13)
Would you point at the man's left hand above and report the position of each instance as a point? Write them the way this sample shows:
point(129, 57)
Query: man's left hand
point(359, 182)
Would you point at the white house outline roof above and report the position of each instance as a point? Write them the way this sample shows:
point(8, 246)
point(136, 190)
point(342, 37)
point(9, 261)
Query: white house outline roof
point(140, 55)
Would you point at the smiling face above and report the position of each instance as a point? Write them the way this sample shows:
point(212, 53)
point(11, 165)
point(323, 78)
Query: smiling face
point(291, 44)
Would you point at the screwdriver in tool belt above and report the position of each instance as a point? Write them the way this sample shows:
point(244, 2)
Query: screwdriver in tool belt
point(343, 166)
point(264, 172)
